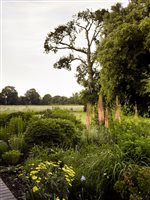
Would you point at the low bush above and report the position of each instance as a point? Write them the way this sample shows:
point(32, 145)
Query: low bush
point(137, 151)
point(26, 116)
point(3, 147)
point(129, 129)
point(16, 125)
point(52, 132)
point(3, 119)
point(4, 134)
point(11, 157)
point(134, 183)
point(17, 142)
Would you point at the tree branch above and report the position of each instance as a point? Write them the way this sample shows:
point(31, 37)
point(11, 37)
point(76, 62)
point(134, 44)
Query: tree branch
point(95, 34)
point(84, 62)
point(73, 48)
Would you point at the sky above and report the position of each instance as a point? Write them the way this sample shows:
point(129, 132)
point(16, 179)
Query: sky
point(24, 26)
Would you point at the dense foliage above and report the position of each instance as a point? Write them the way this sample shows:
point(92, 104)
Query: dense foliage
point(124, 55)
point(9, 96)
point(51, 132)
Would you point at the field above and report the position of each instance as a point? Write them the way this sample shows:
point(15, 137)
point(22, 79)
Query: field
point(76, 109)
point(36, 108)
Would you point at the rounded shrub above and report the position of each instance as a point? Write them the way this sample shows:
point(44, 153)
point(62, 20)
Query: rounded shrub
point(62, 114)
point(51, 132)
point(3, 147)
point(11, 157)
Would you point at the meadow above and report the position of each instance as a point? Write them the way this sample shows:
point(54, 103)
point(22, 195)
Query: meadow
point(77, 110)
point(37, 108)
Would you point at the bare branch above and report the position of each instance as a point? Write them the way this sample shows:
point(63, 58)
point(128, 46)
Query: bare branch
point(73, 48)
point(82, 27)
point(81, 60)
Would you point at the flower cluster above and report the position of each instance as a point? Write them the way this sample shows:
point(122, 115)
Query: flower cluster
point(69, 174)
point(51, 178)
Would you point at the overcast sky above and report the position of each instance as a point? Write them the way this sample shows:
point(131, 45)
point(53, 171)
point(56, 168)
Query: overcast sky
point(24, 26)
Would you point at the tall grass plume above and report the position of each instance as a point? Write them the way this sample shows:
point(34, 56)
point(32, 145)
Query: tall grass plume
point(88, 116)
point(118, 110)
point(101, 111)
point(136, 110)
point(106, 118)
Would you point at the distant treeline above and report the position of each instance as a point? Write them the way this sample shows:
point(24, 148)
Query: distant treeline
point(9, 96)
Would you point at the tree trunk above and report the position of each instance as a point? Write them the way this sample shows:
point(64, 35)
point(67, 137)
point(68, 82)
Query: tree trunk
point(90, 73)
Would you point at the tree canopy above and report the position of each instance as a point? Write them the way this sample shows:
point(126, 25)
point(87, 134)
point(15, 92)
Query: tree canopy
point(124, 55)
point(32, 97)
point(47, 99)
point(79, 37)
point(9, 96)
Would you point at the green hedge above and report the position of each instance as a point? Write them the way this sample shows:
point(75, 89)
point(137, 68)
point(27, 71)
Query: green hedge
point(51, 132)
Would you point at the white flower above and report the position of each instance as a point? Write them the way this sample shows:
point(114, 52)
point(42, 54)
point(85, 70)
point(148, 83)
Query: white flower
point(83, 178)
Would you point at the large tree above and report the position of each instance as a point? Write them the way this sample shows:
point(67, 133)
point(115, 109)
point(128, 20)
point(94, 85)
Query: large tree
point(80, 37)
point(32, 97)
point(9, 96)
point(124, 54)
point(47, 99)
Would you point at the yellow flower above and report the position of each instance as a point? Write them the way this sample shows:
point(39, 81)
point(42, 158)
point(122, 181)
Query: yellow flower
point(50, 173)
point(34, 177)
point(33, 172)
point(57, 198)
point(38, 168)
point(35, 188)
point(37, 181)
point(20, 175)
